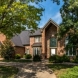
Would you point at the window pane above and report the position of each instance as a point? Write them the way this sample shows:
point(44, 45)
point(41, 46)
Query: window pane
point(70, 51)
point(74, 50)
point(52, 51)
point(53, 42)
point(36, 51)
point(37, 39)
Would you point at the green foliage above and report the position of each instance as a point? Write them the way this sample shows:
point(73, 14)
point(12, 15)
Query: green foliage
point(65, 58)
point(17, 15)
point(70, 73)
point(6, 50)
point(8, 72)
point(28, 56)
point(76, 59)
point(69, 25)
point(37, 58)
point(17, 56)
point(56, 59)
point(59, 59)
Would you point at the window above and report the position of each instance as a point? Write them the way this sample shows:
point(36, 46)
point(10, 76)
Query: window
point(37, 51)
point(53, 42)
point(71, 51)
point(27, 51)
point(37, 39)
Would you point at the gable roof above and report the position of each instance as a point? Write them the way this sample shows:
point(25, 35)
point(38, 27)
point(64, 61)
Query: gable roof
point(50, 21)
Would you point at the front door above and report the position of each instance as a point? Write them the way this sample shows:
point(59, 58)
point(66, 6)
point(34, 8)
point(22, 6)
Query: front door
point(36, 51)
point(53, 51)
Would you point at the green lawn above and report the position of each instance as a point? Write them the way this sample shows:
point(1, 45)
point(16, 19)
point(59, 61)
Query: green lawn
point(64, 71)
point(8, 71)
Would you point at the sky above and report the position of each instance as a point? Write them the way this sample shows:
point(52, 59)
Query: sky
point(52, 10)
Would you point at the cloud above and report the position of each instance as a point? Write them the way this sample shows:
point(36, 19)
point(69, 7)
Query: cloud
point(57, 18)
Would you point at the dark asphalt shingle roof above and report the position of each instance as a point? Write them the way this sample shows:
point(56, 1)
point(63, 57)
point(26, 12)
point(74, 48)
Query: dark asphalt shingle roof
point(24, 37)
point(36, 33)
point(17, 40)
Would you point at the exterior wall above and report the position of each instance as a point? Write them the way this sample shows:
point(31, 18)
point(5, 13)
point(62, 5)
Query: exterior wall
point(61, 46)
point(31, 43)
point(27, 47)
point(43, 44)
point(20, 50)
point(51, 31)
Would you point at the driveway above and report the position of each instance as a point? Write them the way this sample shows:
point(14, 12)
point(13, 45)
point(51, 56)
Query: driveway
point(31, 70)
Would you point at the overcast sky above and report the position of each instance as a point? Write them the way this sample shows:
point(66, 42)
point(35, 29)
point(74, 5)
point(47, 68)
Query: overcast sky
point(52, 10)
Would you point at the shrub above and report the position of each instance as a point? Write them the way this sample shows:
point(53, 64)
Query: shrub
point(28, 56)
point(56, 59)
point(52, 58)
point(7, 50)
point(17, 56)
point(65, 58)
point(76, 59)
point(36, 58)
point(59, 59)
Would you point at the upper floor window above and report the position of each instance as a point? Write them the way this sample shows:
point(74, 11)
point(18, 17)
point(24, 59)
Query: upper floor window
point(37, 39)
point(53, 42)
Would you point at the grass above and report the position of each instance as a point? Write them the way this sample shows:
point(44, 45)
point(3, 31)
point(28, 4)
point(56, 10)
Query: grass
point(17, 60)
point(64, 71)
point(8, 71)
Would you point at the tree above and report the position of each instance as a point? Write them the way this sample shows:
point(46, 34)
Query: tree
point(17, 15)
point(7, 50)
point(69, 25)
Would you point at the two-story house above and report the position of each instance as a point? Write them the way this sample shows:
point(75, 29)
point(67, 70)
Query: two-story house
point(43, 41)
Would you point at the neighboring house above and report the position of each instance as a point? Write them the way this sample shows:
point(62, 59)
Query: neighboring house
point(42, 42)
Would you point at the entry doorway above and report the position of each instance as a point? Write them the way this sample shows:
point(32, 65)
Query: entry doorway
point(52, 51)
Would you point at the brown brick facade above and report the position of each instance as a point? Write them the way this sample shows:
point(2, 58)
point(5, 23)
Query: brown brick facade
point(19, 50)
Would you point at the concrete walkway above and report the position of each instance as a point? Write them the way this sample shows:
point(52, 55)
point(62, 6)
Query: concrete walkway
point(31, 70)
